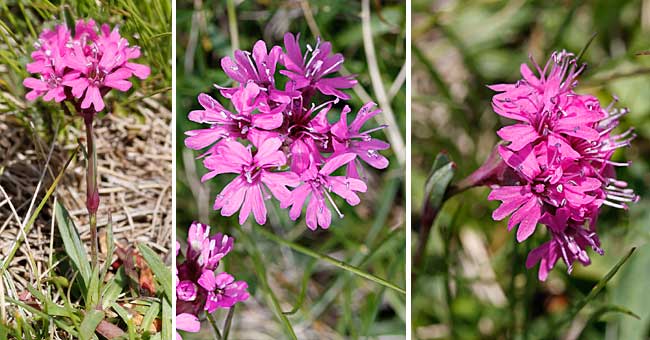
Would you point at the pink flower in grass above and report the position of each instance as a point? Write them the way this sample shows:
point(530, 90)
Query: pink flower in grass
point(199, 289)
point(246, 124)
point(88, 64)
point(559, 156)
point(48, 63)
point(349, 138)
point(316, 188)
point(569, 241)
point(223, 290)
point(247, 192)
point(274, 138)
point(309, 70)
point(207, 250)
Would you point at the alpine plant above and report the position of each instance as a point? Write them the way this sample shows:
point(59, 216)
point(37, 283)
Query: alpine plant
point(559, 170)
point(278, 140)
point(82, 66)
point(200, 288)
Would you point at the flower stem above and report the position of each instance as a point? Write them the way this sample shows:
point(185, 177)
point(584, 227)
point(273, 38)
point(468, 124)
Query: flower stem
point(213, 322)
point(92, 192)
point(331, 260)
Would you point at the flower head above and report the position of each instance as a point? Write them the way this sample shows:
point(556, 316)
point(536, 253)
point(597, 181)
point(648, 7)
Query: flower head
point(316, 188)
point(275, 139)
point(308, 71)
point(559, 155)
point(199, 288)
point(247, 191)
point(83, 67)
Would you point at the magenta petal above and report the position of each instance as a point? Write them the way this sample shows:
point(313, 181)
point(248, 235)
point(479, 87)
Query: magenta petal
point(529, 214)
point(207, 280)
point(336, 162)
point(188, 322)
point(519, 135)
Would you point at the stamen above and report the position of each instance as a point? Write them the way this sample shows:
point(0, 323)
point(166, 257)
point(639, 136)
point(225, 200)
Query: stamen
point(329, 197)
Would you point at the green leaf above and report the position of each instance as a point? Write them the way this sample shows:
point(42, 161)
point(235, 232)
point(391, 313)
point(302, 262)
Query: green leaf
point(72, 244)
point(150, 316)
point(331, 260)
point(162, 272)
point(441, 174)
point(166, 319)
point(592, 294)
point(631, 291)
point(89, 324)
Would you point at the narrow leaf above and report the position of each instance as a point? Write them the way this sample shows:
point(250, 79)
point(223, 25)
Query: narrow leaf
point(159, 269)
point(89, 324)
point(72, 244)
point(331, 260)
point(442, 172)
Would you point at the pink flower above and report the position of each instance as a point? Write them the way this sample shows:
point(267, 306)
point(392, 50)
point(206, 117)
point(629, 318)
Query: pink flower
point(198, 287)
point(302, 136)
point(350, 139)
point(243, 124)
point(559, 156)
point(316, 187)
point(187, 322)
point(309, 71)
point(207, 250)
point(223, 291)
point(247, 191)
point(48, 63)
point(569, 241)
point(90, 64)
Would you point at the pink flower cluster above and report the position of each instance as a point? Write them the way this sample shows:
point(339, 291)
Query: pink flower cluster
point(82, 66)
point(559, 155)
point(278, 141)
point(198, 288)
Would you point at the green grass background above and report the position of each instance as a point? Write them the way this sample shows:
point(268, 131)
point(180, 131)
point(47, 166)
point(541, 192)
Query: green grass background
point(351, 306)
point(460, 47)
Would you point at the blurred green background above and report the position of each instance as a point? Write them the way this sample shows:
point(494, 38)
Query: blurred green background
point(336, 304)
point(458, 48)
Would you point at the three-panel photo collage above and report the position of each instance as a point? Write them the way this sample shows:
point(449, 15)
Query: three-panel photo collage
point(327, 169)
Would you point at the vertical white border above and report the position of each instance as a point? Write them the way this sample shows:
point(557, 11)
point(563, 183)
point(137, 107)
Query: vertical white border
point(173, 127)
point(407, 228)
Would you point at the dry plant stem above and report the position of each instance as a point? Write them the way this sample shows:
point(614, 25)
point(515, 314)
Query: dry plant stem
point(393, 133)
point(92, 193)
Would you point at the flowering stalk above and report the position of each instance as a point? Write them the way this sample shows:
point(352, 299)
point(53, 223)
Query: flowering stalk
point(200, 289)
point(81, 68)
point(92, 189)
point(554, 166)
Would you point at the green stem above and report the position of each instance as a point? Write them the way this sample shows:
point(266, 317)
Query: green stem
point(228, 322)
point(232, 24)
point(213, 322)
point(92, 192)
point(331, 260)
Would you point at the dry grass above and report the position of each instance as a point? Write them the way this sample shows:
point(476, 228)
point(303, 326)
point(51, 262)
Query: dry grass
point(134, 162)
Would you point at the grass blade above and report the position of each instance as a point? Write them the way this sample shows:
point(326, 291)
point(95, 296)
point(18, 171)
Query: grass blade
point(89, 324)
point(159, 269)
point(584, 49)
point(72, 244)
point(260, 270)
point(330, 260)
point(592, 294)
